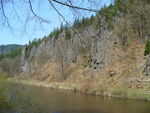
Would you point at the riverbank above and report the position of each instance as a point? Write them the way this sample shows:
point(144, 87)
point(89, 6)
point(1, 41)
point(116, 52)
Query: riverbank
point(133, 94)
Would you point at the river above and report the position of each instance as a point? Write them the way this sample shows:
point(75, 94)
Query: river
point(60, 101)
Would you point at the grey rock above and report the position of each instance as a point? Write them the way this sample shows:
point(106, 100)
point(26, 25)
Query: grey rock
point(147, 66)
point(112, 73)
point(95, 42)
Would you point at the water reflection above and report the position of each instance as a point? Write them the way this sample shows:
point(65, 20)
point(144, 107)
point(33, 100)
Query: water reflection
point(30, 99)
point(80, 111)
point(16, 99)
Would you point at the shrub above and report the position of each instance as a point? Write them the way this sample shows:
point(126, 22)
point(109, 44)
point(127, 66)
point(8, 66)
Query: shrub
point(147, 48)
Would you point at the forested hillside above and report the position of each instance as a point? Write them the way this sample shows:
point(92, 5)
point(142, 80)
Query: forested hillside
point(8, 48)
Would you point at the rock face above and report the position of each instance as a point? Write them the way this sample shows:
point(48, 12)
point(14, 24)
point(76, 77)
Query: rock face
point(100, 46)
point(91, 42)
point(147, 66)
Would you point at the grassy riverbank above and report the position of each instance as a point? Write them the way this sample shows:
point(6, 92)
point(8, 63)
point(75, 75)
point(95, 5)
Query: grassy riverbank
point(117, 92)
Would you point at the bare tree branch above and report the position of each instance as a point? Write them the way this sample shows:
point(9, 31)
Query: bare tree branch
point(59, 13)
point(31, 14)
point(76, 7)
point(38, 17)
point(71, 28)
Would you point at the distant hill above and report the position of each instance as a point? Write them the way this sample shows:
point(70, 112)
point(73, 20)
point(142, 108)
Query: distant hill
point(8, 48)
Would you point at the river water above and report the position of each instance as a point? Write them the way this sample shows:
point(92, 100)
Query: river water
point(59, 101)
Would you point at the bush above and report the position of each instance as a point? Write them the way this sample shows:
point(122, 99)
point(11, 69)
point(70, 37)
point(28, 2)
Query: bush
point(147, 48)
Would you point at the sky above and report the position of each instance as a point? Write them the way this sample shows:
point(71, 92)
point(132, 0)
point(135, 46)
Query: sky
point(21, 33)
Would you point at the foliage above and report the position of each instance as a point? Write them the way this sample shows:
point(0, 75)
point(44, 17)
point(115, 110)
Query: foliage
point(124, 6)
point(147, 48)
point(84, 22)
point(55, 33)
point(8, 48)
point(78, 24)
point(109, 12)
point(118, 6)
point(34, 42)
point(11, 54)
point(10, 63)
point(67, 34)
point(133, 11)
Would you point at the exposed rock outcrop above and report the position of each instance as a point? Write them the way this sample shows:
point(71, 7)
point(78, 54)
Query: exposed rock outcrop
point(91, 42)
point(90, 47)
point(147, 66)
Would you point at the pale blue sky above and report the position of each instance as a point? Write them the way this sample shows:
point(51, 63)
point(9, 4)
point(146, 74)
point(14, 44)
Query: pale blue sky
point(18, 35)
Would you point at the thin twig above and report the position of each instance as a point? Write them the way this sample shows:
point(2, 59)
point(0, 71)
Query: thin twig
point(76, 7)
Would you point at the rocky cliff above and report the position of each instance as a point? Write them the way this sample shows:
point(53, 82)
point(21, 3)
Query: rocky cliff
point(90, 43)
point(94, 47)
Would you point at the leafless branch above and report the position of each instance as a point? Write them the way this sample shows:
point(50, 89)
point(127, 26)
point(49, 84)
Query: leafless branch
point(38, 17)
point(76, 7)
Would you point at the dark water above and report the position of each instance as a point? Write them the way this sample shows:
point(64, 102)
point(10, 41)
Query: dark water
point(58, 101)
